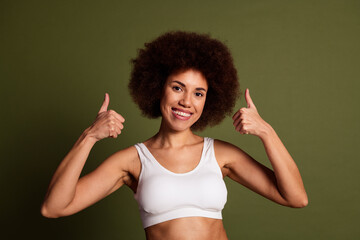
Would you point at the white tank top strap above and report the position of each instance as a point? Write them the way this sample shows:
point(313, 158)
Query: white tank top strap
point(213, 157)
point(141, 153)
point(144, 154)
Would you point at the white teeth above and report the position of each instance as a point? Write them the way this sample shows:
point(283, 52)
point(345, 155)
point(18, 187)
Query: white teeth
point(182, 113)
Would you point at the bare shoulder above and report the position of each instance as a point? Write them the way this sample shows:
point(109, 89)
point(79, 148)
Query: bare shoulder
point(124, 159)
point(221, 145)
point(223, 148)
point(129, 153)
point(227, 152)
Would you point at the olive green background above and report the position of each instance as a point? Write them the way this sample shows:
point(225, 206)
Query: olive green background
point(300, 60)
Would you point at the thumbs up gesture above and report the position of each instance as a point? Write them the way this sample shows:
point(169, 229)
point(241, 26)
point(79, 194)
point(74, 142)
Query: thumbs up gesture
point(247, 120)
point(108, 123)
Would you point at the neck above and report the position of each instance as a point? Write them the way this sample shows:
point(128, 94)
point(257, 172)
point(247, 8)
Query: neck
point(169, 138)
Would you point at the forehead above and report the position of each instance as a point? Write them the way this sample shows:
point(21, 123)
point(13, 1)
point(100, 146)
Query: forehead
point(190, 77)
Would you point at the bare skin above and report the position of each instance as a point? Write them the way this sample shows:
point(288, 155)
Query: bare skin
point(184, 92)
point(196, 228)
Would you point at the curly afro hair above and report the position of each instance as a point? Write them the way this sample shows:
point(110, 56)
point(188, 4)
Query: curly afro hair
point(179, 51)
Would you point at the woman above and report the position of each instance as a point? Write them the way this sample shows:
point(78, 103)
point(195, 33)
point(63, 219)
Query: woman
point(177, 176)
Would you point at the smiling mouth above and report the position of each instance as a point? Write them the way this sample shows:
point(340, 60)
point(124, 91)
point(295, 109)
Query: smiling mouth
point(180, 113)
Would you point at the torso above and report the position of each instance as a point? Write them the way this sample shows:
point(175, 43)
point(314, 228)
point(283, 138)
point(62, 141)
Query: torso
point(183, 160)
point(198, 228)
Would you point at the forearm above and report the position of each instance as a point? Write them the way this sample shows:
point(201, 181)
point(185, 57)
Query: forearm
point(288, 178)
point(62, 187)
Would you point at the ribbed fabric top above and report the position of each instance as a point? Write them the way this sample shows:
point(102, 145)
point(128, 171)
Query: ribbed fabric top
point(163, 195)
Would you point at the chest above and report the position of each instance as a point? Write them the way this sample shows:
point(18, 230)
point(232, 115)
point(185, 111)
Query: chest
point(162, 192)
point(178, 160)
point(161, 189)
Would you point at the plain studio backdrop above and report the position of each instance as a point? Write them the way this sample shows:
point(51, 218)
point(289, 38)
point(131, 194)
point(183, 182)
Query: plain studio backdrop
point(300, 60)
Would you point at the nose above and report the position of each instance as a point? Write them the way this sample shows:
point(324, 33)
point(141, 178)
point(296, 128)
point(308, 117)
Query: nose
point(185, 101)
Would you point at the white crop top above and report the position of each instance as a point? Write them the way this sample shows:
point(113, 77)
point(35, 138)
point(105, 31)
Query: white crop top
point(163, 195)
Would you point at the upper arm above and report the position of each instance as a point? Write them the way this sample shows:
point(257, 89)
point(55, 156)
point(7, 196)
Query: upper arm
point(242, 168)
point(105, 179)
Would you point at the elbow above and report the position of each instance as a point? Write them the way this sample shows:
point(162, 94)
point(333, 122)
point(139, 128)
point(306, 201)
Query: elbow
point(46, 213)
point(305, 202)
point(300, 203)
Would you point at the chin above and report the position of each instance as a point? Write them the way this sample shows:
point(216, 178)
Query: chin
point(178, 128)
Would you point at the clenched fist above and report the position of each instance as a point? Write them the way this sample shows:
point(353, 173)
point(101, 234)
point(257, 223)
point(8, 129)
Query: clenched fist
point(108, 123)
point(248, 121)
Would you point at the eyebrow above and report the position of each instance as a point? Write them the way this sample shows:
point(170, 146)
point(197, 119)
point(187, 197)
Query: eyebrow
point(182, 84)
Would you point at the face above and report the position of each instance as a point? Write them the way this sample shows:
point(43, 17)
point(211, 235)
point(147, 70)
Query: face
point(183, 99)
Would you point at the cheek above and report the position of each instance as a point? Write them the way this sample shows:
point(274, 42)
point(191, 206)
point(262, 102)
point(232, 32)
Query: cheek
point(200, 106)
point(162, 106)
point(165, 101)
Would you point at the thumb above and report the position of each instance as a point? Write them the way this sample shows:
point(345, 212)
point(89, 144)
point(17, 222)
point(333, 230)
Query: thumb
point(250, 103)
point(105, 104)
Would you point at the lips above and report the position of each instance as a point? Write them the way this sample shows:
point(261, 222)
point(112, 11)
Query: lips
point(181, 114)
point(181, 110)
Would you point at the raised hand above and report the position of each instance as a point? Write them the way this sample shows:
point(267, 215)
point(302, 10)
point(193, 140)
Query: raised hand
point(108, 123)
point(247, 120)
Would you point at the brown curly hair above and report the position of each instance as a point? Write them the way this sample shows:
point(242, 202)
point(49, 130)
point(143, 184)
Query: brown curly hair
point(179, 51)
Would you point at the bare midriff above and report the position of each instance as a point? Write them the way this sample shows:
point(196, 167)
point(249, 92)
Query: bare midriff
point(188, 228)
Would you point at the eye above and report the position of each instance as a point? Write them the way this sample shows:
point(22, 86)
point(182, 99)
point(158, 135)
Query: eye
point(199, 94)
point(177, 88)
